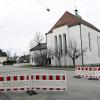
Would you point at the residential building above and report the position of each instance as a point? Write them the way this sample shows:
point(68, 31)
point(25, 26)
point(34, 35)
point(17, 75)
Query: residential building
point(36, 50)
point(3, 57)
point(23, 59)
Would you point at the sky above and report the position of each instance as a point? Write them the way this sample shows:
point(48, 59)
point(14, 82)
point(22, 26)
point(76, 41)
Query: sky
point(20, 20)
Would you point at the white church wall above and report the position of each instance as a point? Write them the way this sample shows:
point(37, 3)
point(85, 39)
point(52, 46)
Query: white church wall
point(91, 56)
point(51, 41)
point(74, 35)
point(50, 45)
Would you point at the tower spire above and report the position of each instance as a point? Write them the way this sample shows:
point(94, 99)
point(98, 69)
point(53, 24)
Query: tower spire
point(76, 10)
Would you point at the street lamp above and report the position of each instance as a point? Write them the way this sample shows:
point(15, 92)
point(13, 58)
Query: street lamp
point(48, 9)
point(42, 4)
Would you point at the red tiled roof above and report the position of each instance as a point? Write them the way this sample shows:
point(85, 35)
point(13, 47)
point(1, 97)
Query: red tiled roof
point(71, 20)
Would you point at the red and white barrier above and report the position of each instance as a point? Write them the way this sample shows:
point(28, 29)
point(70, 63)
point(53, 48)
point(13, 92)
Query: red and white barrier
point(79, 71)
point(14, 83)
point(33, 82)
point(50, 82)
point(88, 72)
point(97, 72)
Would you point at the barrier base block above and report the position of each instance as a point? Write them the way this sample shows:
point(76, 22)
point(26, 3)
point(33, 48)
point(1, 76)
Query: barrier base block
point(93, 79)
point(31, 92)
point(77, 77)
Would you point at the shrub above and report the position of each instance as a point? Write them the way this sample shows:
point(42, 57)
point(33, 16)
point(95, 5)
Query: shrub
point(9, 62)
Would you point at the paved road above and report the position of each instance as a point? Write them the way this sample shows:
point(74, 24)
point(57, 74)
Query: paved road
point(78, 89)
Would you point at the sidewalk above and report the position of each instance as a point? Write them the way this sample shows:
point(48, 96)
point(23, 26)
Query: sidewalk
point(50, 68)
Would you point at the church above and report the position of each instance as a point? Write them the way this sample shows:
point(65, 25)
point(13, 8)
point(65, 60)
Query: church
point(72, 27)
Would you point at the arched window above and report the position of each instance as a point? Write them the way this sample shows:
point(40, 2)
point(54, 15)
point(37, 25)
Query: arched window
point(60, 43)
point(89, 37)
point(64, 43)
point(98, 43)
point(56, 45)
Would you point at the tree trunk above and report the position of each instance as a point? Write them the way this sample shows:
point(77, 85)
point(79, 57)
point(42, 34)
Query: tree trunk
point(59, 62)
point(74, 62)
point(41, 53)
point(41, 57)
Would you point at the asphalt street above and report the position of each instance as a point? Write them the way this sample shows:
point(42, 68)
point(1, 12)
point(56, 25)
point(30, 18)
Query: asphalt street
point(78, 89)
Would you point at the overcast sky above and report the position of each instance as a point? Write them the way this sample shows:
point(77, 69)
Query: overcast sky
point(21, 19)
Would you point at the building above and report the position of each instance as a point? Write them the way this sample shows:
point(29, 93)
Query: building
point(23, 59)
point(72, 27)
point(3, 57)
point(36, 50)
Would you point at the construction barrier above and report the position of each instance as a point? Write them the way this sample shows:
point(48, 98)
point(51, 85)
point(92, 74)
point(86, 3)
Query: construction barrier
point(33, 82)
point(1, 64)
point(87, 72)
point(97, 72)
point(79, 71)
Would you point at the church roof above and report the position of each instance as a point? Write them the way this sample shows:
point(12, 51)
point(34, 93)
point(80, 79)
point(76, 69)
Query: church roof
point(37, 47)
point(72, 20)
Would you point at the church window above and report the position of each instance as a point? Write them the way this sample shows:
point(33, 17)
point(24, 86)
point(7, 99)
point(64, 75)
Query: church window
point(98, 43)
point(56, 45)
point(64, 43)
point(60, 43)
point(89, 37)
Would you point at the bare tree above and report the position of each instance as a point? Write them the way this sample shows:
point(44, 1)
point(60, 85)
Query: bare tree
point(38, 41)
point(74, 52)
point(38, 38)
point(57, 54)
point(8, 55)
point(14, 56)
point(38, 59)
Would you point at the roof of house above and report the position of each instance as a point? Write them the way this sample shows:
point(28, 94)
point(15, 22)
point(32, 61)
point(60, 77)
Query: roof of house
point(25, 57)
point(37, 47)
point(71, 20)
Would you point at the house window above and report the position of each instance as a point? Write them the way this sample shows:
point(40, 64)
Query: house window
point(89, 37)
point(64, 43)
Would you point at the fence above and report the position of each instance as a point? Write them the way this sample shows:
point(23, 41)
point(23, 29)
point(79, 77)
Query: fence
point(41, 82)
point(88, 72)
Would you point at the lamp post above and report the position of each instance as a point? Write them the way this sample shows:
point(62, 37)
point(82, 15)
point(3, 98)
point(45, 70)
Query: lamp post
point(42, 4)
